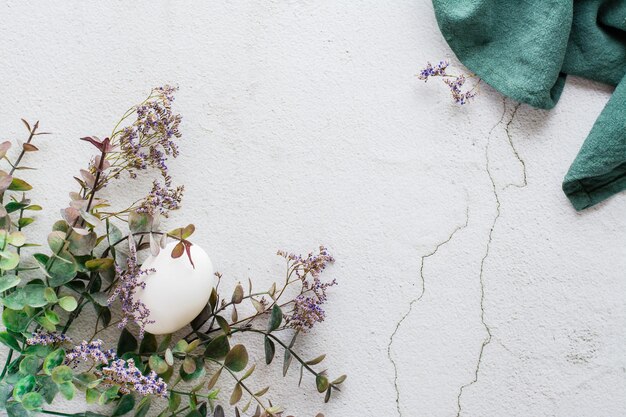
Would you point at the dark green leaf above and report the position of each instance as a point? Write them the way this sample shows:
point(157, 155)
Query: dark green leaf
point(126, 343)
point(173, 402)
point(143, 407)
point(217, 348)
point(237, 358)
point(126, 403)
point(270, 350)
point(9, 340)
point(321, 382)
point(16, 410)
point(276, 318)
point(148, 343)
point(201, 318)
point(49, 388)
point(223, 324)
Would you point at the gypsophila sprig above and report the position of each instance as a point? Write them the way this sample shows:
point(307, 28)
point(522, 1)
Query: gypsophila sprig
point(44, 338)
point(125, 375)
point(128, 281)
point(455, 82)
point(90, 351)
point(93, 261)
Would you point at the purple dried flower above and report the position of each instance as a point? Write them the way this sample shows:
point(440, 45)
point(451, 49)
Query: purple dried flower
point(129, 378)
point(307, 308)
point(47, 338)
point(438, 70)
point(128, 282)
point(162, 199)
point(150, 139)
point(90, 351)
point(456, 85)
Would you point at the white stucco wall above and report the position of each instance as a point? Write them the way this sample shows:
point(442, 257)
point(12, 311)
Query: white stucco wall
point(304, 124)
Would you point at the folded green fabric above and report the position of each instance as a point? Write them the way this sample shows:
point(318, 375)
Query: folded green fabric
point(525, 48)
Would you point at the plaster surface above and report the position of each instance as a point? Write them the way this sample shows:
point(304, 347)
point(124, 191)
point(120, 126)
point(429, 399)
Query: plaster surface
point(468, 284)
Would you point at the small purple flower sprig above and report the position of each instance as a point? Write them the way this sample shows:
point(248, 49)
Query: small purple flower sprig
point(455, 83)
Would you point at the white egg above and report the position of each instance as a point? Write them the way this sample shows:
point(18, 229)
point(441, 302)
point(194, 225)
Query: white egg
point(176, 292)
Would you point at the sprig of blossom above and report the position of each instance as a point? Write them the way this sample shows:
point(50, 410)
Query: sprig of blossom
point(47, 338)
point(129, 378)
point(149, 140)
point(128, 282)
point(90, 351)
point(162, 199)
point(454, 82)
point(307, 307)
point(438, 70)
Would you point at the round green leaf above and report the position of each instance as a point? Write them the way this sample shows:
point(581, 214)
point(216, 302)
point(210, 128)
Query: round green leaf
point(32, 401)
point(68, 303)
point(8, 281)
point(276, 318)
point(62, 373)
point(53, 360)
point(237, 358)
point(126, 403)
point(24, 385)
point(15, 320)
point(9, 260)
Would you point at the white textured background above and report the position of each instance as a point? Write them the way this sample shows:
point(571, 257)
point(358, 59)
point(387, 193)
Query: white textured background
point(304, 124)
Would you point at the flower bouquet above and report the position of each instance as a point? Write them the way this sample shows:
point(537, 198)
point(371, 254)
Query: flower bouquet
point(172, 358)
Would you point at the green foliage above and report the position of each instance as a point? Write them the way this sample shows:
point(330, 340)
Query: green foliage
point(126, 403)
point(126, 343)
point(53, 360)
point(9, 340)
point(237, 358)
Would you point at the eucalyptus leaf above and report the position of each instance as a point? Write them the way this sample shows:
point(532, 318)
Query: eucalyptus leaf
point(237, 358)
point(143, 407)
point(53, 360)
point(270, 350)
point(9, 340)
point(8, 281)
point(68, 303)
point(15, 320)
point(217, 348)
point(276, 318)
point(126, 343)
point(236, 394)
point(32, 401)
point(24, 385)
point(126, 403)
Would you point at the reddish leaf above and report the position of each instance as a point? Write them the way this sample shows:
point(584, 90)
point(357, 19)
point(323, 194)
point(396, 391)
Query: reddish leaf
point(188, 250)
point(178, 250)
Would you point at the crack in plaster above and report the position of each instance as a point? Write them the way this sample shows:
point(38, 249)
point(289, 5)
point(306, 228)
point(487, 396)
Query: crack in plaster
point(514, 149)
point(415, 300)
point(496, 195)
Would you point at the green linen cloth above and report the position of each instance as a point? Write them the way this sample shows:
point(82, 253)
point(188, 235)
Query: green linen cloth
point(525, 48)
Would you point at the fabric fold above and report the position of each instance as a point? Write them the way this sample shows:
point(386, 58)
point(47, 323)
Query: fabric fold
point(525, 50)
